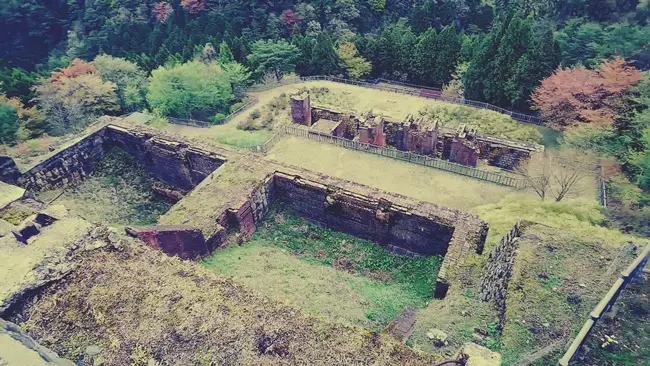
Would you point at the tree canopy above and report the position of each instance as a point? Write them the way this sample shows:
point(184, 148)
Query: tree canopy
point(194, 90)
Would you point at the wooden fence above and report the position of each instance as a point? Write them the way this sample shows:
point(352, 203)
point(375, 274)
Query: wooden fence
point(406, 156)
point(409, 89)
point(189, 122)
point(605, 304)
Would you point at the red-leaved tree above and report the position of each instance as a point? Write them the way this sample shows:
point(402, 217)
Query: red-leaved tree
point(580, 95)
point(77, 68)
point(289, 18)
point(162, 10)
point(194, 6)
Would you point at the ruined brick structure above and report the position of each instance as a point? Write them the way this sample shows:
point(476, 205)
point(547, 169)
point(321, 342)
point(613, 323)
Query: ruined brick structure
point(419, 134)
point(171, 162)
point(223, 204)
point(464, 148)
point(371, 130)
point(301, 109)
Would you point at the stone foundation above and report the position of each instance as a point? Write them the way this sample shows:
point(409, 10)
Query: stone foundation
point(180, 240)
point(393, 227)
point(172, 162)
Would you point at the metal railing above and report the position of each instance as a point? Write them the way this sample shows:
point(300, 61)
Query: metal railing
point(205, 124)
point(605, 304)
point(406, 156)
point(434, 94)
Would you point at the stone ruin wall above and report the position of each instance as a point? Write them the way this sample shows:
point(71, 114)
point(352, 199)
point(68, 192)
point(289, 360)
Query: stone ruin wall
point(498, 152)
point(393, 227)
point(173, 163)
point(67, 167)
point(498, 270)
point(439, 231)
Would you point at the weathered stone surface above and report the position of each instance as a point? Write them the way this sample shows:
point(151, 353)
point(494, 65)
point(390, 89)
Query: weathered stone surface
point(301, 109)
point(498, 270)
point(184, 241)
point(19, 349)
point(402, 327)
point(394, 227)
point(477, 355)
point(9, 193)
point(49, 257)
point(170, 161)
point(9, 172)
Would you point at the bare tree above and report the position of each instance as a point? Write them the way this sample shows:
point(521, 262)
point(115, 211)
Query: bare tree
point(538, 171)
point(558, 172)
point(572, 167)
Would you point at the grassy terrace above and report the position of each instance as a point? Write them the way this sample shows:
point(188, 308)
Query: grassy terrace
point(349, 97)
point(328, 274)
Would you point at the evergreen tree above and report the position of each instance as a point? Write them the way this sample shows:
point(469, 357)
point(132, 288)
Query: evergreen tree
point(324, 59)
point(8, 124)
point(277, 57)
point(512, 46)
point(446, 53)
point(425, 57)
point(536, 64)
point(225, 55)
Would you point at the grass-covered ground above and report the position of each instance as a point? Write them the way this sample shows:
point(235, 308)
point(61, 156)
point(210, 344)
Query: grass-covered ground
point(143, 308)
point(327, 273)
point(349, 97)
point(117, 193)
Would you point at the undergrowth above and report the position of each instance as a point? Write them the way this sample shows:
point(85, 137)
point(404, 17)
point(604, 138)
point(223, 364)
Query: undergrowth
point(328, 273)
point(118, 192)
point(323, 246)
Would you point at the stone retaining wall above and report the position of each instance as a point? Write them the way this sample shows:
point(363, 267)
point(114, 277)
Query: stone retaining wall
point(393, 227)
point(172, 162)
point(498, 270)
point(67, 167)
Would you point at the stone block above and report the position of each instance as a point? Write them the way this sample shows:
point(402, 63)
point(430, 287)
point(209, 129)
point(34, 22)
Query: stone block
point(476, 355)
point(184, 241)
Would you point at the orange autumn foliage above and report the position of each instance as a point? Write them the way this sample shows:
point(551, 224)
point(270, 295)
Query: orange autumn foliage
point(580, 95)
point(77, 68)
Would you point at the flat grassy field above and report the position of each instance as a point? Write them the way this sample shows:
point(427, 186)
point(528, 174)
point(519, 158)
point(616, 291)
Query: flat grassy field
point(328, 274)
point(419, 182)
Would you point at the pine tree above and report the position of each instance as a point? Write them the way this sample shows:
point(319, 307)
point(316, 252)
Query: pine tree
point(536, 64)
point(425, 57)
point(324, 59)
point(225, 55)
point(512, 46)
point(446, 55)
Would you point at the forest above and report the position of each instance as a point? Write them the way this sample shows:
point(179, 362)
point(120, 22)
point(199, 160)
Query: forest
point(580, 64)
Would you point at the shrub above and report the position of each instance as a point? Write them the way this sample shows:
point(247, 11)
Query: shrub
point(218, 118)
point(268, 121)
point(248, 125)
point(256, 114)
point(236, 106)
